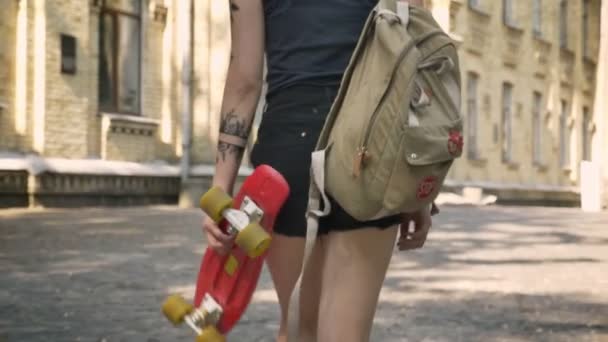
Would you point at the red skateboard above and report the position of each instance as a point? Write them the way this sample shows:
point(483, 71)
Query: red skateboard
point(226, 284)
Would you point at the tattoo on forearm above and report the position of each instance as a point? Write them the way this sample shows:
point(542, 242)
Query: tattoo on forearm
point(233, 126)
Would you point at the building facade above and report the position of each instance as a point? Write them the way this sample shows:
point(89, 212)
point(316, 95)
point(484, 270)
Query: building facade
point(529, 71)
point(94, 96)
point(102, 100)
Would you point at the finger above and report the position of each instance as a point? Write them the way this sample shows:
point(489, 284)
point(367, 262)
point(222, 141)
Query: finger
point(407, 227)
point(423, 225)
point(406, 244)
point(218, 234)
point(421, 232)
point(219, 246)
point(413, 239)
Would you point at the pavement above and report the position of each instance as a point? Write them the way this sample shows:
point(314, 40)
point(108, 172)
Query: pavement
point(490, 273)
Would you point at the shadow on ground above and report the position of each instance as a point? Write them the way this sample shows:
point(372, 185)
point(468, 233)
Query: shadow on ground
point(101, 275)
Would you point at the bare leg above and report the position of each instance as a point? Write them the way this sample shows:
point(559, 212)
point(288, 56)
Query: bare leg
point(354, 270)
point(285, 262)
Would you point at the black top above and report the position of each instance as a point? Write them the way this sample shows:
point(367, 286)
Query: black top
point(310, 42)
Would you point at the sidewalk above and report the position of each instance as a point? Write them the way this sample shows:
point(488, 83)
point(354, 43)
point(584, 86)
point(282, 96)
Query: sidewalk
point(486, 274)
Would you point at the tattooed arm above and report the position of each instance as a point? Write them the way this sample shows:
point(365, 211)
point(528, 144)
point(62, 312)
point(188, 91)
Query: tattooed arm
point(242, 89)
point(241, 95)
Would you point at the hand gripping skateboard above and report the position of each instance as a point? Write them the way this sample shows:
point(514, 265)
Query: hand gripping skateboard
point(225, 284)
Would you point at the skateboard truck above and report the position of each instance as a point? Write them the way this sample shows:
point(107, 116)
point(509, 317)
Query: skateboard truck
point(203, 320)
point(239, 219)
point(208, 313)
point(244, 222)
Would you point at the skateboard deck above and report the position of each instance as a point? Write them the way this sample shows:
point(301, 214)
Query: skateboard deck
point(226, 283)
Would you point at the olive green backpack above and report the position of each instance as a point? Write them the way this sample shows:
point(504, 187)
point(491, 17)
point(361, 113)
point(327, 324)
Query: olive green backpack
point(395, 126)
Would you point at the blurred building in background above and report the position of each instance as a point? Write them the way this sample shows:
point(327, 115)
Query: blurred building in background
point(101, 99)
point(529, 71)
point(107, 102)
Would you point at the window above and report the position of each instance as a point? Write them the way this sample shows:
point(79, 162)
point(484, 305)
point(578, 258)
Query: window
point(472, 116)
point(586, 136)
point(563, 24)
point(585, 28)
point(474, 4)
point(564, 137)
point(119, 56)
point(507, 13)
point(537, 129)
point(537, 18)
point(507, 113)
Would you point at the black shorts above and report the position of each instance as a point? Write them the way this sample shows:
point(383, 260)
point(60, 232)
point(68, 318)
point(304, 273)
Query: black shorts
point(290, 127)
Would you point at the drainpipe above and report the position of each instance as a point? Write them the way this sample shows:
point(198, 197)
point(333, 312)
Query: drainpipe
point(186, 90)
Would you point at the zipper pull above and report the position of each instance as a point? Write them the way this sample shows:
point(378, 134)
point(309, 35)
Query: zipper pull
point(360, 159)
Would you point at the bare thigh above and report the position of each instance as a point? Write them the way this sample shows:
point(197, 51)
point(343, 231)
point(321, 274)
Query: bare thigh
point(353, 273)
point(285, 263)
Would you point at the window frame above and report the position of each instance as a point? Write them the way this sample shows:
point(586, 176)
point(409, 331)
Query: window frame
point(472, 116)
point(115, 13)
point(537, 128)
point(507, 123)
point(585, 23)
point(563, 25)
point(564, 136)
point(537, 18)
point(508, 13)
point(586, 137)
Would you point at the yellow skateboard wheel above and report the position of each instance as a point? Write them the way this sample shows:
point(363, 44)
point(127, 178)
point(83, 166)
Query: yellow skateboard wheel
point(210, 334)
point(175, 308)
point(253, 239)
point(214, 202)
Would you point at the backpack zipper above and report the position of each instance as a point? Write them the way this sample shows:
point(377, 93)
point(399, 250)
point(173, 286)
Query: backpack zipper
point(362, 153)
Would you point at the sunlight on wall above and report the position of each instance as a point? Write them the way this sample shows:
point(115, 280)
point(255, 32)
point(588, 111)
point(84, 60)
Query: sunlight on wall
point(441, 13)
point(39, 75)
point(218, 62)
point(21, 69)
point(166, 129)
point(600, 140)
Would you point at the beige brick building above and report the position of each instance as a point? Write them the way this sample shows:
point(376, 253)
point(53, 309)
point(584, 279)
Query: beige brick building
point(529, 72)
point(95, 103)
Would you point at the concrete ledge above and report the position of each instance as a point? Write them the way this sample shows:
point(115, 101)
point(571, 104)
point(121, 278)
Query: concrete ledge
point(13, 189)
point(32, 181)
point(192, 190)
point(522, 194)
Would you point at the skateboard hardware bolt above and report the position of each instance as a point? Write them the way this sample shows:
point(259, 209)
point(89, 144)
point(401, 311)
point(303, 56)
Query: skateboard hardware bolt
point(254, 212)
point(237, 220)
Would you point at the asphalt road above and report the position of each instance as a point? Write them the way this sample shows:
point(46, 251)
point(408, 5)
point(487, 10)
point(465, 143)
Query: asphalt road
point(486, 274)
